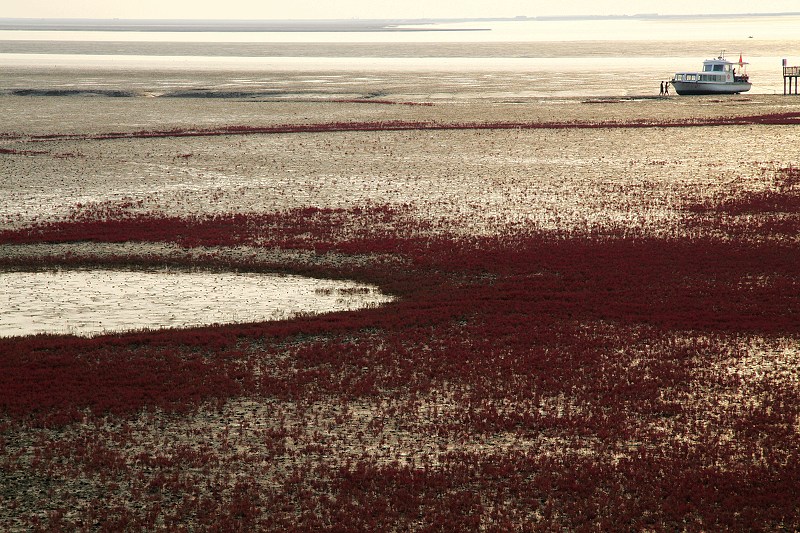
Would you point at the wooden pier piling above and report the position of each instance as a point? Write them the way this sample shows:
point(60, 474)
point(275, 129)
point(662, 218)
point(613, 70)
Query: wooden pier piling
point(791, 74)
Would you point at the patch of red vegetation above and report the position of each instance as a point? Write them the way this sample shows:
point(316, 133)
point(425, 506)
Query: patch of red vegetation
point(54, 378)
point(381, 102)
point(782, 197)
point(624, 331)
point(773, 213)
point(399, 125)
point(14, 151)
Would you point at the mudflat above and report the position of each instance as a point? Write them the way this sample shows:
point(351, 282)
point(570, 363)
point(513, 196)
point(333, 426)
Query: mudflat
point(547, 160)
point(593, 325)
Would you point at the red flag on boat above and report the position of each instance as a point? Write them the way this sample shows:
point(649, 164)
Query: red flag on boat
point(741, 63)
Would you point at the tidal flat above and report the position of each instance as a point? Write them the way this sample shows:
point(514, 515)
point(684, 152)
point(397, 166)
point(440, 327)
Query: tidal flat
point(594, 322)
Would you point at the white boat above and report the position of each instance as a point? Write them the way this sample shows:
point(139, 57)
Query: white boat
point(719, 76)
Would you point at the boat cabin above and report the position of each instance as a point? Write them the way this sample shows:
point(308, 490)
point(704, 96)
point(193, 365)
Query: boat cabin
point(718, 76)
point(718, 70)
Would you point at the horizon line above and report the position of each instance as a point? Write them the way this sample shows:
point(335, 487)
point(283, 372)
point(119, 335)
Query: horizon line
point(396, 19)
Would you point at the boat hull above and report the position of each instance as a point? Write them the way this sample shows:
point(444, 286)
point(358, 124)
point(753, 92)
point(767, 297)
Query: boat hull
point(699, 87)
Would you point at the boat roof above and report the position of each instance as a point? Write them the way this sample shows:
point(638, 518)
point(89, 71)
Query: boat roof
point(718, 61)
point(722, 61)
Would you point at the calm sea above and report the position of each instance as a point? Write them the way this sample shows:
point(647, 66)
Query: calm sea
point(556, 58)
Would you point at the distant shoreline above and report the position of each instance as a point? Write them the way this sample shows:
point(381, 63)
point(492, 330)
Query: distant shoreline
point(342, 26)
point(323, 25)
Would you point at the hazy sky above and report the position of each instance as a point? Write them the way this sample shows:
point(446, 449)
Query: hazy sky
point(322, 9)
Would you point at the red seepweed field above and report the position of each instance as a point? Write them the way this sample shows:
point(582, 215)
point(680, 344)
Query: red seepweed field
point(625, 372)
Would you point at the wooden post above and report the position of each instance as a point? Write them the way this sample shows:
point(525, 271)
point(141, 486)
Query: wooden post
point(791, 74)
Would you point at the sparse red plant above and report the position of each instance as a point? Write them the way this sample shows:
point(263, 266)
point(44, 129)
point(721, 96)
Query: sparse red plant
point(789, 118)
point(14, 151)
point(382, 102)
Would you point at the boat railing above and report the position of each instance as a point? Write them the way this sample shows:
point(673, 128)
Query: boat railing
point(791, 71)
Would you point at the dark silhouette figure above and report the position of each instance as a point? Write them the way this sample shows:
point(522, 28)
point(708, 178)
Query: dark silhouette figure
point(661, 91)
point(666, 89)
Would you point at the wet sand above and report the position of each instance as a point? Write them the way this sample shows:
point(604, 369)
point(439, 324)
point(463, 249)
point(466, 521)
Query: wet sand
point(92, 302)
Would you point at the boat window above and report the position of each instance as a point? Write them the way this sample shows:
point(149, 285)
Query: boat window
point(718, 68)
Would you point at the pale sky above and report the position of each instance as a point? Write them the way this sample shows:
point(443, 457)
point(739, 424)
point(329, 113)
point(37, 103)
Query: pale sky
point(367, 9)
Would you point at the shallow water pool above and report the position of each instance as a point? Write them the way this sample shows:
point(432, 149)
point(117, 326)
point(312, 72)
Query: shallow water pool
point(92, 302)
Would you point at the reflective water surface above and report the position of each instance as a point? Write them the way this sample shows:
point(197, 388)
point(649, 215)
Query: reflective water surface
point(91, 302)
